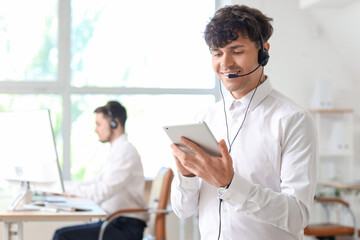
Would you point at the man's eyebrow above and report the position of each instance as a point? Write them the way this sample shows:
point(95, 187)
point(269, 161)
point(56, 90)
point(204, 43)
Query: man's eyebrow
point(237, 46)
point(231, 48)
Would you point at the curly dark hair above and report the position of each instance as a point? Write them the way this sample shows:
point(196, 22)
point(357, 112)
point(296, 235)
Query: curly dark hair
point(231, 21)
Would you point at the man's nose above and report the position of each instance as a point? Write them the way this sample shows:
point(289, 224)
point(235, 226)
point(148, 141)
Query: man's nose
point(226, 61)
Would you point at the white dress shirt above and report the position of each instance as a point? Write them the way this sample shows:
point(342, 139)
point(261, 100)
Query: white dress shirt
point(274, 159)
point(120, 183)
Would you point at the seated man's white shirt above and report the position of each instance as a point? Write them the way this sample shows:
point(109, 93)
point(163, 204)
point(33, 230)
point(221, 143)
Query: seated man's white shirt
point(120, 183)
point(274, 159)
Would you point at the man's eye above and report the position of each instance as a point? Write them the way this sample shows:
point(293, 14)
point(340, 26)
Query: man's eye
point(237, 53)
point(216, 54)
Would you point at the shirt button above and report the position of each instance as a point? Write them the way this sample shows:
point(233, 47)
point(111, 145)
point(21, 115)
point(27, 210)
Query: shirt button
point(235, 120)
point(225, 210)
point(248, 212)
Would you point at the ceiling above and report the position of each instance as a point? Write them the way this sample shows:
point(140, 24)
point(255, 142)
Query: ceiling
point(324, 3)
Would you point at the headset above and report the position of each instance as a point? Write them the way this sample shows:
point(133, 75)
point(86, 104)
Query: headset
point(263, 58)
point(113, 123)
point(263, 54)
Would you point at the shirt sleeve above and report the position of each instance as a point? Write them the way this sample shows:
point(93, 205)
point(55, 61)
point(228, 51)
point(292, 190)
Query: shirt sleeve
point(184, 195)
point(114, 176)
point(288, 209)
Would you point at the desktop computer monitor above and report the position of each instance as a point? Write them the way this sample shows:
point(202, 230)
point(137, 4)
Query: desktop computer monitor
point(28, 155)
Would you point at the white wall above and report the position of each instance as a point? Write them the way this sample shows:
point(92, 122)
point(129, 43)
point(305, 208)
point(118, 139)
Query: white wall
point(340, 27)
point(315, 43)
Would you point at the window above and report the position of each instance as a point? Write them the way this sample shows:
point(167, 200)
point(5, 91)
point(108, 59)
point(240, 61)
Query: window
point(28, 40)
point(72, 57)
point(150, 44)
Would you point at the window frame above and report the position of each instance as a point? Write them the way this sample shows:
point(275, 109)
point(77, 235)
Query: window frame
point(62, 85)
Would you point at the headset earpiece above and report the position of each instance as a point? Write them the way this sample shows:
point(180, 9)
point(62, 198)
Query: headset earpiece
point(113, 123)
point(263, 54)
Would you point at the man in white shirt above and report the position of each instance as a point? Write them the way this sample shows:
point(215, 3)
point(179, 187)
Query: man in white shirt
point(119, 184)
point(263, 185)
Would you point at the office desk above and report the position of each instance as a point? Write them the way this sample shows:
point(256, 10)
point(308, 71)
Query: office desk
point(17, 218)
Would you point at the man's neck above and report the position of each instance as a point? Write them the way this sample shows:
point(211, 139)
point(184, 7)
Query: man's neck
point(237, 95)
point(115, 136)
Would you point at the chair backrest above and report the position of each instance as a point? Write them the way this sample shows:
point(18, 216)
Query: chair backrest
point(159, 199)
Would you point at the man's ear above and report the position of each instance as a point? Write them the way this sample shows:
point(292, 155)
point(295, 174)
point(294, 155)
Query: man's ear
point(267, 46)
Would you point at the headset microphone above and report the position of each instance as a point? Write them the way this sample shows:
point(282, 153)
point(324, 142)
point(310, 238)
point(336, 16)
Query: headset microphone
point(236, 76)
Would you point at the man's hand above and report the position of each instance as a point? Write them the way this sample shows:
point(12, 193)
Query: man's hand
point(217, 171)
point(182, 169)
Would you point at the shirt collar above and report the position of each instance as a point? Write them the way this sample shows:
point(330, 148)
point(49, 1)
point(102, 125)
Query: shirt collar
point(262, 91)
point(121, 138)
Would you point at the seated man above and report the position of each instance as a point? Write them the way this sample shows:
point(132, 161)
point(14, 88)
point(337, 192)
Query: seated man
point(119, 184)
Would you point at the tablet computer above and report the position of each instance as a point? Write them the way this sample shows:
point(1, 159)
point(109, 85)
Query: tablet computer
point(198, 133)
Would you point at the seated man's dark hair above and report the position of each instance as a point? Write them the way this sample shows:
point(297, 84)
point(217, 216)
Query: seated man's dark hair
point(113, 109)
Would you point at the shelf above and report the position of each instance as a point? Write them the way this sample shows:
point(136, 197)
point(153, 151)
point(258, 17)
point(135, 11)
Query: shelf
point(336, 155)
point(341, 184)
point(336, 144)
point(335, 111)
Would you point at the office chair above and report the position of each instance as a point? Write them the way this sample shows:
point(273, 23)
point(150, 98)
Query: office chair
point(157, 207)
point(329, 230)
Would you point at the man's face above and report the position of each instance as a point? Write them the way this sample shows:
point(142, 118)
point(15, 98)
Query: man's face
point(103, 128)
point(238, 57)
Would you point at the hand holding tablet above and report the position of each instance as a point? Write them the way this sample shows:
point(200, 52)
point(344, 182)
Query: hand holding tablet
point(198, 133)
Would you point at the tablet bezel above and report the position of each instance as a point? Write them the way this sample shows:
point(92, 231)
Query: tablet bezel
point(197, 132)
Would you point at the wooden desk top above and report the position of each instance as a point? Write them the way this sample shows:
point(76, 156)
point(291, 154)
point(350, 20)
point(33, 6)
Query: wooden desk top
point(95, 212)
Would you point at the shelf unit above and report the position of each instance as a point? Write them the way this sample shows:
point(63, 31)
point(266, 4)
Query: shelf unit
point(336, 143)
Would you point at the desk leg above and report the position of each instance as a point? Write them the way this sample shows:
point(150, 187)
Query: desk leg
point(20, 231)
point(8, 232)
